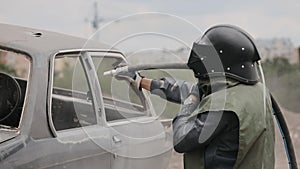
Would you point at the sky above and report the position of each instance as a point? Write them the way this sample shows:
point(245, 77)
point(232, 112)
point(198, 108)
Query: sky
point(181, 21)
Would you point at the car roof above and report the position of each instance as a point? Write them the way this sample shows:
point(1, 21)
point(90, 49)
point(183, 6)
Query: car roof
point(37, 42)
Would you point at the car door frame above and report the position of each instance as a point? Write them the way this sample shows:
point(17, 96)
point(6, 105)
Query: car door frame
point(70, 136)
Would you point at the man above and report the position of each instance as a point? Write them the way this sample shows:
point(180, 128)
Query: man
point(226, 120)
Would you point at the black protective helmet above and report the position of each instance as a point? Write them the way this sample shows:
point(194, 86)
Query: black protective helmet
point(225, 50)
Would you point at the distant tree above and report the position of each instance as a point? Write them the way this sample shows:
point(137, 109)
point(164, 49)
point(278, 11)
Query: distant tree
point(283, 80)
point(7, 69)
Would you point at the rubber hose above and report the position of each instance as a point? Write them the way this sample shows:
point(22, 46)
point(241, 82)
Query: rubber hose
point(158, 66)
point(290, 152)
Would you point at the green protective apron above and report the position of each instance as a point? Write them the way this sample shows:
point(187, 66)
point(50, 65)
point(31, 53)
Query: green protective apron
point(256, 133)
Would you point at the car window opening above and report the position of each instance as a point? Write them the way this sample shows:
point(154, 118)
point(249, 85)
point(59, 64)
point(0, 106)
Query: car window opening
point(14, 73)
point(72, 105)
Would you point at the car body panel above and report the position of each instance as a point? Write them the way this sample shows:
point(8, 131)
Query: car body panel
point(139, 146)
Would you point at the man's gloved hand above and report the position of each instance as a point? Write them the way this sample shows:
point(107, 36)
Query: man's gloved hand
point(134, 78)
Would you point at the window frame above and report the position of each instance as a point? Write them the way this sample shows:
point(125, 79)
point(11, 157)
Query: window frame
point(96, 97)
point(148, 104)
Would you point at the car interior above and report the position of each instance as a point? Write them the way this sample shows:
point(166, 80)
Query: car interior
point(12, 97)
point(71, 109)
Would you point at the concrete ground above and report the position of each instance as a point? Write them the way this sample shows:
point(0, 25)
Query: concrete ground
point(292, 119)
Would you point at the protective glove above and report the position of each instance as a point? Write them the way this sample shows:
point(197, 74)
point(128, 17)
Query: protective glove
point(134, 78)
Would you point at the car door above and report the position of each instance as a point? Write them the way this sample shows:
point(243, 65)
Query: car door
point(138, 138)
point(81, 141)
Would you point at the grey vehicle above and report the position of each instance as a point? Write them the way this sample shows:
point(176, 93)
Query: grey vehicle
point(57, 110)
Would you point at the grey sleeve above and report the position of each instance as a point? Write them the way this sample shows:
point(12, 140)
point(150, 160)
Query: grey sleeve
point(172, 90)
point(198, 131)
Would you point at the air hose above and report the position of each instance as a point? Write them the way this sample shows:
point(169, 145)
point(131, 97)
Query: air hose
point(288, 144)
point(145, 67)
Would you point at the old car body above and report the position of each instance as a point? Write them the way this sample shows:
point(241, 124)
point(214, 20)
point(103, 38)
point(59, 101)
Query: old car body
point(82, 125)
